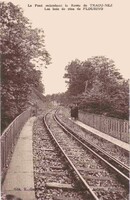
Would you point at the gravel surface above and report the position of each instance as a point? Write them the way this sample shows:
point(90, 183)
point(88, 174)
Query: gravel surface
point(114, 150)
point(106, 185)
point(49, 167)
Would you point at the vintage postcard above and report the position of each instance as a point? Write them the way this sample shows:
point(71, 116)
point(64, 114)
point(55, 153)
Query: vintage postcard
point(65, 71)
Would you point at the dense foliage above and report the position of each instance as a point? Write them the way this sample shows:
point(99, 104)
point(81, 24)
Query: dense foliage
point(20, 45)
point(97, 86)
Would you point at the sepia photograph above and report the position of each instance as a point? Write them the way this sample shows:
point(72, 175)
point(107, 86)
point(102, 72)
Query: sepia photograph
point(65, 72)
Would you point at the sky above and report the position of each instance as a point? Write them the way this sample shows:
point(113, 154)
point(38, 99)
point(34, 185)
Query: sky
point(80, 35)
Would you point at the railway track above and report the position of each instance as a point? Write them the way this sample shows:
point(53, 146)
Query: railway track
point(52, 179)
point(95, 175)
point(123, 168)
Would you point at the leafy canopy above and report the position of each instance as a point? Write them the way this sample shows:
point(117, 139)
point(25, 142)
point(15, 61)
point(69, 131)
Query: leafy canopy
point(97, 86)
point(21, 47)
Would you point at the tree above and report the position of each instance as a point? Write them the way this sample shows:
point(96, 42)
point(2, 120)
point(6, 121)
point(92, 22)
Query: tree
point(120, 100)
point(77, 74)
point(105, 72)
point(98, 86)
point(20, 46)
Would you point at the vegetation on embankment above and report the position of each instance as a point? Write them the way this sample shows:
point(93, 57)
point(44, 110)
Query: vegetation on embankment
point(97, 86)
point(22, 52)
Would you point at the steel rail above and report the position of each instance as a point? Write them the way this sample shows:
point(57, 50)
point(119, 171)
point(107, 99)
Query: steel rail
point(121, 166)
point(126, 180)
point(83, 182)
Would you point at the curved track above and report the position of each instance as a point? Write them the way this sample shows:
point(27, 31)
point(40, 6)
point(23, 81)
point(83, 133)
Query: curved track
point(98, 180)
point(123, 169)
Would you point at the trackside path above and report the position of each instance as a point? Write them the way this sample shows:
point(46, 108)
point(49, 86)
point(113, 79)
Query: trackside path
point(115, 141)
point(19, 180)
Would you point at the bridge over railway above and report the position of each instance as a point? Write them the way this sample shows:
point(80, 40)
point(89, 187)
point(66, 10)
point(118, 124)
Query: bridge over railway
point(17, 154)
